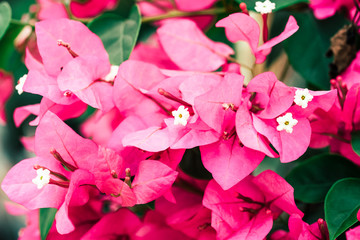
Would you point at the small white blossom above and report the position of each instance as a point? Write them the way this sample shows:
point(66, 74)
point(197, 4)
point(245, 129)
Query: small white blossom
point(302, 97)
point(42, 178)
point(264, 7)
point(181, 116)
point(286, 122)
point(20, 85)
point(112, 74)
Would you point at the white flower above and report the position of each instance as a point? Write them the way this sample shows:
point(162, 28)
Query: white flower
point(181, 116)
point(302, 97)
point(286, 122)
point(20, 85)
point(112, 74)
point(264, 7)
point(42, 178)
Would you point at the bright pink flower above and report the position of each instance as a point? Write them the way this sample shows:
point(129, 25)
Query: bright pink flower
point(229, 162)
point(91, 8)
point(353, 234)
point(188, 5)
point(106, 122)
point(152, 52)
point(6, 89)
point(155, 227)
point(187, 215)
point(326, 8)
point(64, 112)
point(153, 180)
point(71, 68)
point(159, 7)
point(120, 224)
point(31, 231)
point(334, 127)
point(51, 10)
point(185, 43)
point(247, 210)
point(242, 27)
point(259, 120)
point(299, 230)
point(352, 73)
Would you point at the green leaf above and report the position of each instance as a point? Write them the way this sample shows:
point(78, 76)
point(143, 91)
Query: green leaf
point(118, 34)
point(355, 142)
point(47, 216)
point(341, 206)
point(10, 58)
point(5, 17)
point(192, 165)
point(313, 178)
point(307, 48)
point(279, 4)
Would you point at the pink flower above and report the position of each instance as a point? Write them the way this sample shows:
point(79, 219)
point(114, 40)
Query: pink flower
point(6, 89)
point(271, 116)
point(71, 68)
point(242, 27)
point(299, 230)
point(185, 43)
point(327, 8)
point(247, 210)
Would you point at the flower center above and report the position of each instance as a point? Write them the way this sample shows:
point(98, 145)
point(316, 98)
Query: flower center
point(181, 116)
point(286, 122)
point(303, 97)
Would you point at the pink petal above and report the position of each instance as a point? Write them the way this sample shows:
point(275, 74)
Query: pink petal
point(121, 192)
point(54, 133)
point(6, 89)
point(228, 162)
point(79, 177)
point(82, 41)
point(133, 76)
point(81, 72)
point(38, 82)
point(225, 204)
point(98, 95)
point(184, 43)
point(91, 8)
point(123, 222)
point(189, 5)
point(353, 233)
point(289, 145)
point(257, 228)
point(152, 53)
point(248, 134)
point(152, 180)
point(321, 99)
point(271, 94)
point(131, 155)
point(107, 122)
point(241, 27)
point(21, 113)
point(152, 139)
point(290, 28)
point(19, 187)
point(51, 10)
point(210, 105)
point(277, 191)
point(351, 114)
point(197, 84)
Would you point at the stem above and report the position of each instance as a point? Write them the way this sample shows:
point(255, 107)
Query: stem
point(176, 13)
point(17, 22)
point(231, 59)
